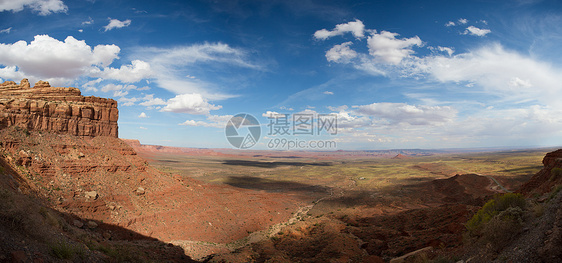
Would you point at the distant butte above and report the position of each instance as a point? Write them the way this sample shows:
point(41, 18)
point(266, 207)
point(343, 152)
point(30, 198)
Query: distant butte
point(56, 109)
point(401, 156)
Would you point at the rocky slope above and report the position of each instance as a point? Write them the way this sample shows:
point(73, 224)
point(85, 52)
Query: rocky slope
point(549, 176)
point(55, 109)
point(62, 148)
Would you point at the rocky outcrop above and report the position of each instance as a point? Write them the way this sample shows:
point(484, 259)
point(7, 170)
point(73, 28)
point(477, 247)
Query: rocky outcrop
point(549, 176)
point(56, 109)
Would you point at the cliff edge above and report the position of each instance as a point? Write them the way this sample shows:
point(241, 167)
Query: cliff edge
point(56, 109)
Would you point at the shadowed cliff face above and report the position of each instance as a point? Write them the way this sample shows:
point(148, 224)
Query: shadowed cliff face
point(54, 109)
point(548, 177)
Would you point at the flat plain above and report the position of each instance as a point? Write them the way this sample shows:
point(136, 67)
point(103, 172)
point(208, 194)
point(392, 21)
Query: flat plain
point(406, 201)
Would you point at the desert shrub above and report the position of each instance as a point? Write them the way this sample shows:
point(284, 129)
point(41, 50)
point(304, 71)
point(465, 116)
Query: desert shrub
point(492, 208)
point(503, 227)
point(554, 192)
point(497, 222)
point(555, 174)
point(64, 250)
point(538, 209)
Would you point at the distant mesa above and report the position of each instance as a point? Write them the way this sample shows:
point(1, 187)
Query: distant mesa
point(401, 156)
point(56, 109)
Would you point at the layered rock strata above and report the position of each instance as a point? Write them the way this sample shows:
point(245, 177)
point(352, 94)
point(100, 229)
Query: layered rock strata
point(56, 109)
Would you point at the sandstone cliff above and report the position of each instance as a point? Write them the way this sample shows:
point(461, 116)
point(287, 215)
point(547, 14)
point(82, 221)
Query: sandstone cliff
point(55, 109)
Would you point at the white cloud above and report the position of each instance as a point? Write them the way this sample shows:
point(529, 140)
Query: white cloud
point(127, 101)
point(449, 50)
point(463, 21)
point(411, 114)
point(150, 101)
point(88, 22)
point(143, 128)
point(6, 31)
point(507, 98)
point(341, 53)
point(72, 58)
point(472, 30)
point(349, 122)
point(272, 114)
point(113, 87)
point(135, 72)
point(115, 23)
point(450, 23)
point(386, 47)
point(519, 83)
point(43, 7)
point(286, 108)
point(502, 73)
point(120, 93)
point(172, 67)
point(192, 103)
point(143, 115)
point(328, 93)
point(214, 121)
point(355, 27)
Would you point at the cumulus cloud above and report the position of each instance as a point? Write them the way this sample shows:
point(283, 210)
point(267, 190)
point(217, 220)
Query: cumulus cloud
point(42, 7)
point(508, 97)
point(386, 47)
point(143, 115)
point(127, 101)
point(463, 21)
point(115, 23)
point(214, 121)
point(150, 101)
point(411, 114)
point(190, 103)
point(341, 53)
point(72, 57)
point(135, 72)
point(328, 93)
point(450, 23)
point(355, 27)
point(472, 30)
point(273, 114)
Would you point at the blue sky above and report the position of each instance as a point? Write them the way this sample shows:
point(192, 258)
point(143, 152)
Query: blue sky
point(397, 74)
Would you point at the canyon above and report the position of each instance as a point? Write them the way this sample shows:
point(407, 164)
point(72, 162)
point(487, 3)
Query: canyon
point(64, 173)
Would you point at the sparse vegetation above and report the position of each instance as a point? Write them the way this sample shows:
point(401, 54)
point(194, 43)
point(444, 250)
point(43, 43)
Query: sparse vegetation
point(555, 174)
point(492, 208)
point(554, 192)
point(498, 221)
point(64, 250)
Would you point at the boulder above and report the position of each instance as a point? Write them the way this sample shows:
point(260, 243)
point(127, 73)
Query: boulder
point(91, 195)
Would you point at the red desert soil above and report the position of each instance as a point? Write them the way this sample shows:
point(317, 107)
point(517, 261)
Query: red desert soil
point(125, 191)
